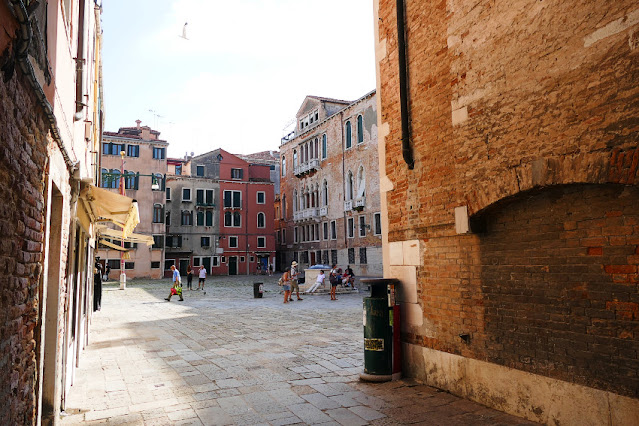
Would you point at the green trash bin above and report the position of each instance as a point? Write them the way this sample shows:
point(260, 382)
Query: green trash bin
point(381, 332)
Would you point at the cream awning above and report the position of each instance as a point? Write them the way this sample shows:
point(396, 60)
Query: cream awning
point(107, 206)
point(133, 238)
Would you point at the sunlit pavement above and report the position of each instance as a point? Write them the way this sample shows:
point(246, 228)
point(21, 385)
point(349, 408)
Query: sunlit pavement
point(223, 357)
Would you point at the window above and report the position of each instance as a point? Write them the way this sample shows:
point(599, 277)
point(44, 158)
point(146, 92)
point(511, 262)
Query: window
point(158, 213)
point(237, 173)
point(349, 227)
point(129, 265)
point(361, 183)
point(187, 218)
point(223, 260)
point(168, 263)
point(105, 178)
point(325, 194)
point(113, 148)
point(208, 197)
point(362, 226)
point(168, 194)
point(261, 220)
point(261, 242)
point(233, 199)
point(197, 261)
point(325, 257)
point(325, 229)
point(333, 257)
point(157, 182)
point(378, 223)
point(199, 196)
point(283, 236)
point(360, 129)
point(168, 219)
point(113, 263)
point(158, 241)
point(159, 153)
point(351, 255)
point(283, 165)
point(133, 150)
point(349, 186)
point(295, 235)
point(349, 135)
point(199, 221)
point(199, 170)
point(294, 159)
point(232, 219)
point(278, 237)
point(216, 261)
point(178, 169)
point(131, 180)
point(186, 194)
point(333, 230)
point(233, 242)
point(205, 241)
point(115, 178)
point(173, 241)
point(304, 257)
point(155, 265)
point(324, 147)
point(209, 218)
point(261, 197)
point(362, 255)
point(242, 259)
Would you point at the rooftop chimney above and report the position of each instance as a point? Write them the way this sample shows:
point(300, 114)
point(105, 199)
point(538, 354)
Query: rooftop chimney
point(138, 123)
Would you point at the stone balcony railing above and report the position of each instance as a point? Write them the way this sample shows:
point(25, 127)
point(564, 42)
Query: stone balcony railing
point(308, 167)
point(360, 202)
point(348, 205)
point(306, 214)
point(323, 211)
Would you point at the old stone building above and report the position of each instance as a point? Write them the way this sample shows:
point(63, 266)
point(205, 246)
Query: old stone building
point(50, 129)
point(220, 214)
point(329, 206)
point(508, 159)
point(144, 166)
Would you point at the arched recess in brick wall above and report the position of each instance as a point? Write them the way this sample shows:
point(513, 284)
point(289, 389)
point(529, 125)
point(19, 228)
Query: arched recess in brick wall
point(614, 166)
point(557, 270)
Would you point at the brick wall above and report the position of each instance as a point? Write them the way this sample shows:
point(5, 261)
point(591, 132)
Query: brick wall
point(23, 157)
point(506, 98)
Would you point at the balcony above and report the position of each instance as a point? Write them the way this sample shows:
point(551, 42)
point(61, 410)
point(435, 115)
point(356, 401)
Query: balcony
point(201, 204)
point(323, 211)
point(360, 202)
point(306, 214)
point(304, 168)
point(348, 205)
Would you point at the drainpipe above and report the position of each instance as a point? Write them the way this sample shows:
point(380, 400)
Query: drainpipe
point(407, 149)
point(341, 119)
point(22, 57)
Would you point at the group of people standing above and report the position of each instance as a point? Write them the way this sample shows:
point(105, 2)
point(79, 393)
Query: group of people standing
point(290, 281)
point(177, 281)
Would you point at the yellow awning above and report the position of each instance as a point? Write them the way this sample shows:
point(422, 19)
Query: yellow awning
point(108, 206)
point(113, 246)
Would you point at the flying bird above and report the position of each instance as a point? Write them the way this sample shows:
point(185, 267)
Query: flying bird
point(184, 31)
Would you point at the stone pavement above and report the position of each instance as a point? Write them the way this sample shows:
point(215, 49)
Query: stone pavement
point(225, 358)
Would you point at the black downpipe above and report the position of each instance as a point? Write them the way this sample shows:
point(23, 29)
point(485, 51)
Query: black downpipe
point(407, 148)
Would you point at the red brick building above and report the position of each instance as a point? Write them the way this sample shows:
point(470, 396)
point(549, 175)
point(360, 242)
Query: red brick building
point(509, 158)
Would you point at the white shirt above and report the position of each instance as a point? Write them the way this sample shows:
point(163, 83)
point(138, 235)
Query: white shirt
point(320, 278)
point(203, 273)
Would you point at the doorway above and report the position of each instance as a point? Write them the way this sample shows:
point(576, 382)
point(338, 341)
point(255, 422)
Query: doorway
point(232, 265)
point(184, 264)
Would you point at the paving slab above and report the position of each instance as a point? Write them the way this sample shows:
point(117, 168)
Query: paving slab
point(225, 358)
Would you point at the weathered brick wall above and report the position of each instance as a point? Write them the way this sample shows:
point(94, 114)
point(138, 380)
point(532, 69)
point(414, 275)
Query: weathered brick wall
point(506, 97)
point(23, 157)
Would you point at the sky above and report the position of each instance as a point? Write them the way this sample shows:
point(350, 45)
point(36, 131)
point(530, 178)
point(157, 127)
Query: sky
point(242, 73)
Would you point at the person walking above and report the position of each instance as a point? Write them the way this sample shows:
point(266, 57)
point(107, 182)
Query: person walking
point(202, 278)
point(177, 285)
point(286, 284)
point(189, 277)
point(333, 278)
point(97, 285)
point(107, 271)
point(294, 282)
point(270, 270)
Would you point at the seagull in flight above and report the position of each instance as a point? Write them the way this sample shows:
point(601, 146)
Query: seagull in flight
point(184, 31)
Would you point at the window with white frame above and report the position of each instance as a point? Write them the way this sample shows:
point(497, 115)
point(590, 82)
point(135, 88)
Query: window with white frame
point(186, 194)
point(295, 234)
point(233, 199)
point(377, 219)
point(283, 165)
point(360, 129)
point(233, 242)
point(158, 213)
point(261, 242)
point(349, 227)
point(205, 241)
point(362, 226)
point(199, 170)
point(237, 173)
point(333, 230)
point(168, 194)
point(216, 260)
point(325, 229)
point(187, 218)
point(324, 147)
point(261, 197)
point(349, 135)
point(232, 219)
point(261, 220)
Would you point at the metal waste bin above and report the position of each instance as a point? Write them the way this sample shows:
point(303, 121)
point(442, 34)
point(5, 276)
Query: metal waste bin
point(382, 356)
point(258, 290)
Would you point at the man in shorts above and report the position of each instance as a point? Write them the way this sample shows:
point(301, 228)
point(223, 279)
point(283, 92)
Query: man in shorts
point(294, 283)
point(202, 278)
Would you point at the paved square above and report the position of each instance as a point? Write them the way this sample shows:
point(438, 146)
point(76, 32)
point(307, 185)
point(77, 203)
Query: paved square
point(223, 357)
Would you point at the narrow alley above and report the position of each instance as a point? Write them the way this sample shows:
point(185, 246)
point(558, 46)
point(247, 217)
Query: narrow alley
point(223, 357)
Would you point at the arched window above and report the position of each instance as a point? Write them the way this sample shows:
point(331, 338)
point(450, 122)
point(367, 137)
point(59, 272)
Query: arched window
point(325, 193)
point(360, 129)
point(295, 201)
point(115, 176)
point(324, 147)
point(237, 219)
point(349, 186)
point(228, 219)
point(209, 218)
point(261, 220)
point(349, 135)
point(294, 158)
point(105, 178)
point(283, 165)
point(284, 206)
point(361, 183)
